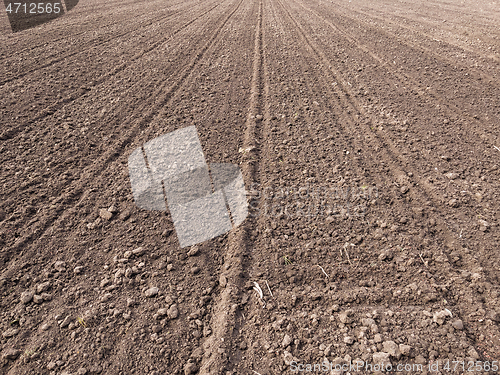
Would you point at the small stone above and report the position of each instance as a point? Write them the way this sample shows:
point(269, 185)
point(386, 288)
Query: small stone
point(344, 317)
point(51, 366)
point(419, 359)
point(130, 302)
point(259, 117)
point(195, 270)
point(173, 312)
point(367, 322)
point(82, 371)
point(494, 316)
point(26, 297)
point(38, 299)
point(167, 232)
point(124, 215)
point(381, 358)
point(78, 270)
point(105, 214)
point(129, 273)
point(458, 324)
point(222, 281)
point(162, 312)
point(392, 349)
point(440, 316)
point(190, 368)
point(453, 203)
point(11, 354)
point(348, 340)
point(43, 287)
point(452, 175)
point(287, 340)
point(404, 349)
point(386, 255)
point(473, 353)
point(193, 251)
point(377, 338)
point(45, 327)
point(151, 292)
point(287, 357)
point(10, 332)
point(197, 354)
point(60, 266)
point(139, 251)
point(127, 254)
point(113, 209)
point(404, 189)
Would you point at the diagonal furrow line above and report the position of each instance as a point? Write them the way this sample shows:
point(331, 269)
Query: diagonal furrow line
point(390, 153)
point(52, 110)
point(32, 49)
point(93, 46)
point(424, 92)
point(93, 172)
point(412, 45)
point(420, 92)
point(394, 159)
point(421, 33)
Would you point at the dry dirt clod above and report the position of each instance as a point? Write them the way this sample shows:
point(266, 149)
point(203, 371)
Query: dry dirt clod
point(190, 368)
point(124, 215)
point(10, 332)
point(193, 251)
point(287, 340)
point(11, 354)
point(139, 251)
point(458, 324)
point(105, 214)
point(173, 312)
point(392, 348)
point(60, 266)
point(26, 297)
point(440, 316)
point(404, 349)
point(43, 287)
point(381, 358)
point(151, 292)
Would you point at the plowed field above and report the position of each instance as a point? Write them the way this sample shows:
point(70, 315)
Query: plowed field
point(368, 135)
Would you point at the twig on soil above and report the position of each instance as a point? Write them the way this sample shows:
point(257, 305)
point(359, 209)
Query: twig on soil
point(255, 372)
point(497, 148)
point(258, 289)
point(323, 270)
point(346, 252)
point(420, 255)
point(271, 293)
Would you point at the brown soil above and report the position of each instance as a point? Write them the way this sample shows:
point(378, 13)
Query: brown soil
point(372, 177)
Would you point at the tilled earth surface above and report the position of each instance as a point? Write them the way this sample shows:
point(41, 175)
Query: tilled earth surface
point(368, 137)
